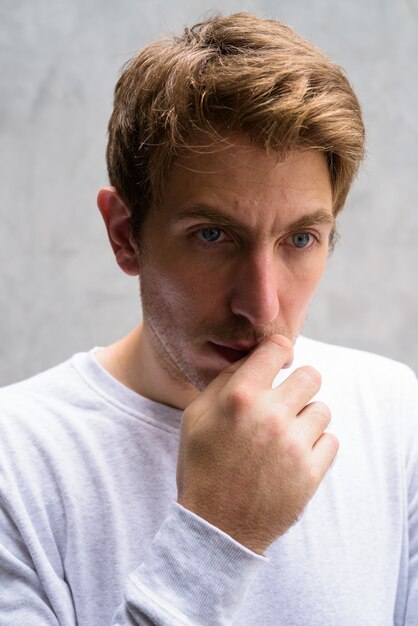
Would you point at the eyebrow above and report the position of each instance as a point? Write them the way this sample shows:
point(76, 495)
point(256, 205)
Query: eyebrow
point(311, 219)
point(211, 214)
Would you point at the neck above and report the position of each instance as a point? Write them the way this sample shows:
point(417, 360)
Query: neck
point(136, 363)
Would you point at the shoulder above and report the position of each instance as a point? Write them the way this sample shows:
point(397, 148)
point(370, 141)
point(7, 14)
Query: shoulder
point(54, 388)
point(45, 427)
point(40, 407)
point(350, 361)
point(361, 378)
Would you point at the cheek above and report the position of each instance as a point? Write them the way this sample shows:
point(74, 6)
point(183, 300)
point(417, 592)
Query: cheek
point(312, 270)
point(300, 289)
point(183, 292)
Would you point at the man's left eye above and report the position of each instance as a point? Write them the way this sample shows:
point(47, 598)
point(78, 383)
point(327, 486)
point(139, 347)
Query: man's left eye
point(301, 240)
point(210, 234)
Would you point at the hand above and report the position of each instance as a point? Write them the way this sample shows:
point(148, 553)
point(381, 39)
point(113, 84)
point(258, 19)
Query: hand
point(251, 457)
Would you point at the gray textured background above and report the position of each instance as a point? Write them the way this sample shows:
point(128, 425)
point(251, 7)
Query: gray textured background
point(60, 290)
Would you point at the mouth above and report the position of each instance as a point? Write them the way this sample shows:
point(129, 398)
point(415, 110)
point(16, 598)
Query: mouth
point(231, 352)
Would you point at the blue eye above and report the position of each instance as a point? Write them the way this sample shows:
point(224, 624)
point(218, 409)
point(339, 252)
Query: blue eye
point(301, 240)
point(210, 234)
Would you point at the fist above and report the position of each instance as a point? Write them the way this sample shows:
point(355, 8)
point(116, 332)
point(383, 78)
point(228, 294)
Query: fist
point(251, 457)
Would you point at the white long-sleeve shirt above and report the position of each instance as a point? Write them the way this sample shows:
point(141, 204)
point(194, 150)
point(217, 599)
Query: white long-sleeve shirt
point(91, 534)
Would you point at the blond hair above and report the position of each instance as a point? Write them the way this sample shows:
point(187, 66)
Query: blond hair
point(229, 74)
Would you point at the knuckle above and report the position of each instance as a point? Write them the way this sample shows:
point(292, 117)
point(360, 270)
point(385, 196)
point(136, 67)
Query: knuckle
point(296, 450)
point(238, 400)
point(275, 426)
point(315, 475)
point(307, 375)
point(333, 444)
point(322, 412)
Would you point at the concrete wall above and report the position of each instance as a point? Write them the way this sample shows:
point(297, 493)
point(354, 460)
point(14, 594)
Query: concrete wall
point(60, 290)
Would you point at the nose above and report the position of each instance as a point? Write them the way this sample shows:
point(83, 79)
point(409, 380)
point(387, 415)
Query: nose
point(255, 288)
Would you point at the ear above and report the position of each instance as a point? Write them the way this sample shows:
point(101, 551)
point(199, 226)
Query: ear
point(116, 216)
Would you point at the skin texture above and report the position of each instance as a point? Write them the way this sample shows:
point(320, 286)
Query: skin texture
point(251, 457)
point(228, 265)
point(249, 284)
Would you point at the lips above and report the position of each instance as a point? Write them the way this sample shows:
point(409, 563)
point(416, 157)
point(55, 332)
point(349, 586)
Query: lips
point(231, 352)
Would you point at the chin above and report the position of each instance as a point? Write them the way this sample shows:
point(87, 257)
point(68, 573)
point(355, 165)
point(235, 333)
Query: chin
point(202, 378)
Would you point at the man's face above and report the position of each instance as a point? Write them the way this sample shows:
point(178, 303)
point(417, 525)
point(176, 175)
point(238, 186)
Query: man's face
point(233, 254)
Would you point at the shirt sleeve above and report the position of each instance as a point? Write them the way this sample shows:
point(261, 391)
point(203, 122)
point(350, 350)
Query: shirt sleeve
point(195, 575)
point(24, 599)
point(410, 402)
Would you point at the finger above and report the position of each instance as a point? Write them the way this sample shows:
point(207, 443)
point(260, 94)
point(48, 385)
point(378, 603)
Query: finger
point(261, 367)
point(257, 369)
point(313, 420)
point(299, 388)
point(324, 452)
point(206, 398)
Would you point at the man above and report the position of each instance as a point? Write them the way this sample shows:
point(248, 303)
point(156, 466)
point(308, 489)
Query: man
point(185, 474)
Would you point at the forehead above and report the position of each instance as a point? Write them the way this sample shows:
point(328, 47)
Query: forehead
point(244, 181)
